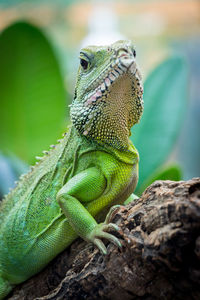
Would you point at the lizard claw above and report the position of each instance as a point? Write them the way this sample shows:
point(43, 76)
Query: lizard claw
point(99, 232)
point(106, 226)
point(101, 246)
point(113, 210)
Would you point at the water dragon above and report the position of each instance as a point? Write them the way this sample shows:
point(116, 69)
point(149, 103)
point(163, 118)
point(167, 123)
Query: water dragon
point(94, 167)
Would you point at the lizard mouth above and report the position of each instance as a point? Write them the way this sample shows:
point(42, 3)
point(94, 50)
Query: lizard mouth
point(124, 64)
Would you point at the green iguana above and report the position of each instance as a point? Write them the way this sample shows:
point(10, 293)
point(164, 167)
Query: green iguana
point(93, 167)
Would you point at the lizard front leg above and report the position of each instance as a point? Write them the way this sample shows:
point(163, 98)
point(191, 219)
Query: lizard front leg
point(85, 187)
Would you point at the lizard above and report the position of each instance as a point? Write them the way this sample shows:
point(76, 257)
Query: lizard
point(93, 167)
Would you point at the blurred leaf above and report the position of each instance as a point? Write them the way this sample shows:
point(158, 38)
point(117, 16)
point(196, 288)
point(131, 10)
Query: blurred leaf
point(165, 97)
point(7, 175)
point(19, 167)
point(10, 3)
point(172, 172)
point(11, 167)
point(32, 93)
point(189, 147)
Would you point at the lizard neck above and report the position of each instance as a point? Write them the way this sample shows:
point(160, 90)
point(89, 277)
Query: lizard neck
point(111, 129)
point(104, 127)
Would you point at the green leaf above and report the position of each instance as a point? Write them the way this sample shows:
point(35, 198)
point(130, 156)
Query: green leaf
point(32, 94)
point(172, 172)
point(165, 97)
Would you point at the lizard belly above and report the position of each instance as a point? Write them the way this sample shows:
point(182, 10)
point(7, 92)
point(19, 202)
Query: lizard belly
point(129, 189)
point(121, 181)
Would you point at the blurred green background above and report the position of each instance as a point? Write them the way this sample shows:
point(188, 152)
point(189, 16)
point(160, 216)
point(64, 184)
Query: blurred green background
point(39, 49)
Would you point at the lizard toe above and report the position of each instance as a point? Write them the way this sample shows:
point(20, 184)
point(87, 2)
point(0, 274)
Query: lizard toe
point(113, 210)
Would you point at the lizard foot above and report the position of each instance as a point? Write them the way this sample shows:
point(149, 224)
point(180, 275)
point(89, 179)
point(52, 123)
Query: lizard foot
point(99, 232)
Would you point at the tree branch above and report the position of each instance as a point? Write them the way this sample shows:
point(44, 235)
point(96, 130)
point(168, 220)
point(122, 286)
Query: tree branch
point(160, 257)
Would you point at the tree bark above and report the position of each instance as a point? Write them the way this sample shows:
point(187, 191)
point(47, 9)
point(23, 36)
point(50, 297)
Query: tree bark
point(159, 259)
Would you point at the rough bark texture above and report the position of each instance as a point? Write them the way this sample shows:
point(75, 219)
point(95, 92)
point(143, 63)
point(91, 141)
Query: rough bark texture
point(160, 257)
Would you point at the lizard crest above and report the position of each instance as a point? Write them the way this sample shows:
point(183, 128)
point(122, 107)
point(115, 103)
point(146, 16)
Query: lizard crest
point(108, 97)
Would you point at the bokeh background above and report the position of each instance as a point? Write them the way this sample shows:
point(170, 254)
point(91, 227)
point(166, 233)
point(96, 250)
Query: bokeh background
point(39, 49)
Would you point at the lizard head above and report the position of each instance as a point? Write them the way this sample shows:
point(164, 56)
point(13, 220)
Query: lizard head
point(108, 94)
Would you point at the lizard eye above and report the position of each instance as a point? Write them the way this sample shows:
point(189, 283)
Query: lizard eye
point(84, 63)
point(134, 53)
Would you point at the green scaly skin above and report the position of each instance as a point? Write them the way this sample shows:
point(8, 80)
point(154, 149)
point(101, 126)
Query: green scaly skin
point(93, 167)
